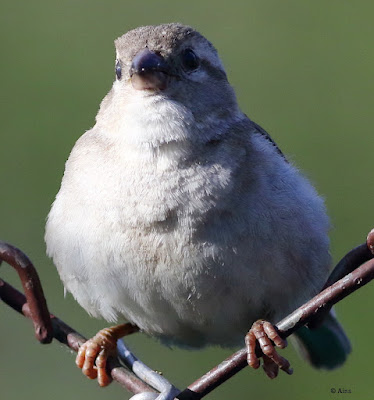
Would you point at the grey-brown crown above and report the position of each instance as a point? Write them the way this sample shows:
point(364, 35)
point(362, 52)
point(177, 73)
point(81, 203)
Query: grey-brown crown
point(163, 38)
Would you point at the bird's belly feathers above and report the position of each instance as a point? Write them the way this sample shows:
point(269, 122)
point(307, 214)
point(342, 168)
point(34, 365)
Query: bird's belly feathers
point(150, 259)
point(182, 256)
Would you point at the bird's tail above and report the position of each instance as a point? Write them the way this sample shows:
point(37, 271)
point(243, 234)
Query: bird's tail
point(326, 347)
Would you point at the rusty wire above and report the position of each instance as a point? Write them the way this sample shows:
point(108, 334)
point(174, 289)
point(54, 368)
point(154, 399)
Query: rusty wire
point(35, 305)
point(354, 271)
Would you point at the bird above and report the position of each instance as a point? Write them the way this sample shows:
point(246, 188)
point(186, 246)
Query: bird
point(178, 216)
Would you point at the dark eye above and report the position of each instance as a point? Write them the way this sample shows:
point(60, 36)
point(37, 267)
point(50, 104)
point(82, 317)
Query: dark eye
point(118, 70)
point(190, 60)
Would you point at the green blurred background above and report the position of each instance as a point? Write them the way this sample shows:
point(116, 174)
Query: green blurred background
point(302, 70)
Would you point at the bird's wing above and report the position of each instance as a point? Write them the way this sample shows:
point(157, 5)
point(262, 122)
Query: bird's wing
point(262, 131)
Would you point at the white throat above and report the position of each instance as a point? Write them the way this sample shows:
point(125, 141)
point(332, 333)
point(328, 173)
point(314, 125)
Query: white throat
point(143, 121)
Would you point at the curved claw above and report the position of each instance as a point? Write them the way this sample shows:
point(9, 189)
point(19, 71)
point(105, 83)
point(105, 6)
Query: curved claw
point(266, 335)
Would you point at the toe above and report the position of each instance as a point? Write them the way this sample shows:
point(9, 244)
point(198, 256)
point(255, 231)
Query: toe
point(79, 360)
point(92, 350)
point(273, 334)
point(250, 342)
point(281, 362)
point(102, 376)
point(263, 339)
point(270, 367)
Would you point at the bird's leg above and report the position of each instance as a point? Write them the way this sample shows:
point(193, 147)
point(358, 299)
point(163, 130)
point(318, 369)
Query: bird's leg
point(267, 336)
point(93, 354)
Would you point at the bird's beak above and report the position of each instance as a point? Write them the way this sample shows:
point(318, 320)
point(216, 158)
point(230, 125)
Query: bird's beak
point(149, 71)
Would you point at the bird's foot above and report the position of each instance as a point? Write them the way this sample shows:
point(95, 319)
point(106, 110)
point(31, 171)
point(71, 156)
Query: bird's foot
point(93, 355)
point(267, 336)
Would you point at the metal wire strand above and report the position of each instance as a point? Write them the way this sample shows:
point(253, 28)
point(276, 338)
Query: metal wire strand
point(148, 375)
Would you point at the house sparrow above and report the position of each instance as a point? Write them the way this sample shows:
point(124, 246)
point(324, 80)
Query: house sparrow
point(179, 214)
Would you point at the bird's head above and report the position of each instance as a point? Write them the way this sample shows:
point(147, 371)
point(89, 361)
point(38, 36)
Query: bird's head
point(175, 62)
